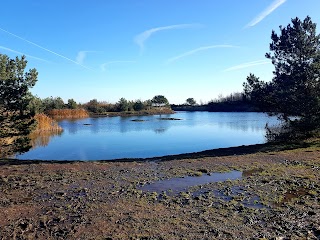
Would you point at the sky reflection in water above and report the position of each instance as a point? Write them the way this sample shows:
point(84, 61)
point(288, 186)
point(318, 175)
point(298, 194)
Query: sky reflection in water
point(120, 137)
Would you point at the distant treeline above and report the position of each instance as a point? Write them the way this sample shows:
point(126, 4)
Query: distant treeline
point(235, 102)
point(56, 107)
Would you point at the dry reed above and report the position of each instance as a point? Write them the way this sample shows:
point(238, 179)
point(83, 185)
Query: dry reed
point(45, 123)
point(68, 113)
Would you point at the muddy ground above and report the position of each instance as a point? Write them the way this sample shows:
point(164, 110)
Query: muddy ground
point(277, 197)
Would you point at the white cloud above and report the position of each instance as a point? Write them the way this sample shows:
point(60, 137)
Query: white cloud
point(20, 53)
point(141, 38)
point(43, 48)
point(173, 59)
point(247, 65)
point(266, 12)
point(81, 56)
point(104, 66)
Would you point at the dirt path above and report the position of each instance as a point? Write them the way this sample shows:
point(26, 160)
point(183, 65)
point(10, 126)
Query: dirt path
point(277, 196)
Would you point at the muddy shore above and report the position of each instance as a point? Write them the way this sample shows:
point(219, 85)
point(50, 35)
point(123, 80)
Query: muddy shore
point(276, 197)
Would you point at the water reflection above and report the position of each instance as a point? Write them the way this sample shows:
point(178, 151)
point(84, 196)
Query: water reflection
point(141, 123)
point(241, 125)
point(160, 130)
point(148, 136)
point(245, 122)
point(177, 185)
point(42, 138)
point(94, 125)
point(73, 127)
point(241, 122)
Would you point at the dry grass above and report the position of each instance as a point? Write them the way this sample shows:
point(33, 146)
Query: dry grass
point(45, 123)
point(68, 113)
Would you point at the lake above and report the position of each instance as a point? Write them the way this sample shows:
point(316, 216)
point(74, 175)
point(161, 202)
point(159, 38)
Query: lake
point(105, 138)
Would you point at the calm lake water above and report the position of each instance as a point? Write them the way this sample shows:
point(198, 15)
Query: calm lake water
point(120, 137)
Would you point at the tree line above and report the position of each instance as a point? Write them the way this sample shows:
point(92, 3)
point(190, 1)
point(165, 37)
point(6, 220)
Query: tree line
point(38, 105)
point(124, 105)
point(234, 102)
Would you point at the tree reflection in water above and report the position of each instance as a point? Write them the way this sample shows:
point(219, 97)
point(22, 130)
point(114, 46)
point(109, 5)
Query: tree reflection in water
point(160, 130)
point(42, 138)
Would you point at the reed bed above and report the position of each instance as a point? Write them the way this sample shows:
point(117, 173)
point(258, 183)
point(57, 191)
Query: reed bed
point(45, 123)
point(68, 113)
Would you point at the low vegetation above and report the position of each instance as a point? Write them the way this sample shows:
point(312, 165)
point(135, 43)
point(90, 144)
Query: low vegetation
point(45, 123)
point(68, 113)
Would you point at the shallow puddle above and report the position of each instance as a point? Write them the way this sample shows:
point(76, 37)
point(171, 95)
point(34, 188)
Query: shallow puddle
point(176, 185)
point(172, 187)
point(239, 194)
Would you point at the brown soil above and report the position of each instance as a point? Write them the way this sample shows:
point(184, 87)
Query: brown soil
point(102, 200)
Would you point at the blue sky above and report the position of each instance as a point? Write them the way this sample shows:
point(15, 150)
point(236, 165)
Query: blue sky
point(108, 49)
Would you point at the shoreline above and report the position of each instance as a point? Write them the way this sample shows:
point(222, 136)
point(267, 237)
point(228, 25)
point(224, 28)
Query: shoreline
point(277, 196)
point(217, 152)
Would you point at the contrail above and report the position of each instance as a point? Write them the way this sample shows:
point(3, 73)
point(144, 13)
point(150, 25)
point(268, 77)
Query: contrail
point(43, 48)
point(20, 53)
point(247, 65)
point(81, 56)
point(265, 13)
point(173, 59)
point(103, 66)
point(144, 36)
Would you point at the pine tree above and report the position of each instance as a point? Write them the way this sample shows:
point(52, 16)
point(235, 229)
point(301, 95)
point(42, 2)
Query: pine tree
point(15, 119)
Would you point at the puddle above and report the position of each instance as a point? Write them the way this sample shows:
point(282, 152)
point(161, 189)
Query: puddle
point(176, 185)
point(239, 194)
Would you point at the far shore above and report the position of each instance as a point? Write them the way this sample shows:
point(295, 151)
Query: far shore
point(134, 113)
